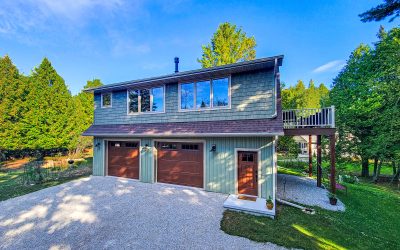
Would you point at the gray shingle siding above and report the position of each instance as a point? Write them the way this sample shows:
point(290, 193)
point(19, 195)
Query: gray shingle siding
point(252, 97)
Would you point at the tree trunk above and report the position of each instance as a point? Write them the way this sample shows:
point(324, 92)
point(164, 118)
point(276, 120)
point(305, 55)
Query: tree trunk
point(394, 167)
point(365, 167)
point(396, 176)
point(378, 171)
point(375, 165)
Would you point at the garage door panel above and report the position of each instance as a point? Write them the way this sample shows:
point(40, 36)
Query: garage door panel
point(123, 159)
point(179, 166)
point(186, 179)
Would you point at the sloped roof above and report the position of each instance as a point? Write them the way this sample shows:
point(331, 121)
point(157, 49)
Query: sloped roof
point(190, 75)
point(250, 127)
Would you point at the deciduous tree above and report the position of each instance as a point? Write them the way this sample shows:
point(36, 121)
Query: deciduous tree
point(229, 44)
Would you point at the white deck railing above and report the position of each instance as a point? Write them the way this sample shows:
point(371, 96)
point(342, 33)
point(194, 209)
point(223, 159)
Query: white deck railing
point(309, 118)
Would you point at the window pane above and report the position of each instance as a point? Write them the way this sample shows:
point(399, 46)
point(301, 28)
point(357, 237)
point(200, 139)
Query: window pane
point(145, 100)
point(187, 96)
point(203, 94)
point(158, 99)
point(106, 100)
point(131, 144)
point(167, 146)
point(133, 101)
point(220, 92)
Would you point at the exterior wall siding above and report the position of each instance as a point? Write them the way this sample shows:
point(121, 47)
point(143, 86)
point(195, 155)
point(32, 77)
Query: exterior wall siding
point(98, 156)
point(147, 160)
point(220, 168)
point(252, 97)
point(221, 165)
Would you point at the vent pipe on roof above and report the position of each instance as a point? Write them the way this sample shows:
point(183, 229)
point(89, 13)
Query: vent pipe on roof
point(176, 60)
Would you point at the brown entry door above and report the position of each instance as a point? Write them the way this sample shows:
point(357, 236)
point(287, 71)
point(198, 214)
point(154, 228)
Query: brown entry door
point(180, 163)
point(247, 173)
point(123, 159)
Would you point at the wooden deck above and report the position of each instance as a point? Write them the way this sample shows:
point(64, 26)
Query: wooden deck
point(318, 122)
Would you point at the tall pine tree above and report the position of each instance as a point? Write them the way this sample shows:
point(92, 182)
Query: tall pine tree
point(13, 94)
point(47, 122)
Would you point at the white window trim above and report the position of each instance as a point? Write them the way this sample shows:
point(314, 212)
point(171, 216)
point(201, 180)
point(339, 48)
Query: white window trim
point(140, 101)
point(101, 101)
point(211, 96)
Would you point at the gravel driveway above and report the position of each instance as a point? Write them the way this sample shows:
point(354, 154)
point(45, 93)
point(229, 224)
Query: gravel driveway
point(116, 213)
point(304, 190)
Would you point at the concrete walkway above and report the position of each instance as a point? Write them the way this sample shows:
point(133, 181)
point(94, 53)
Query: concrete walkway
point(305, 191)
point(116, 213)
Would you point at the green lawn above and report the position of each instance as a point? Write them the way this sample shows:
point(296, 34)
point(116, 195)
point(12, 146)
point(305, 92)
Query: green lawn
point(371, 221)
point(11, 185)
point(352, 168)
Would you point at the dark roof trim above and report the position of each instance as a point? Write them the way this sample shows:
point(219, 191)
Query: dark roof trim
point(167, 135)
point(195, 74)
point(243, 127)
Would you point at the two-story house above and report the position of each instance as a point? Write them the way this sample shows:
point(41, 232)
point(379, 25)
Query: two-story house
point(212, 128)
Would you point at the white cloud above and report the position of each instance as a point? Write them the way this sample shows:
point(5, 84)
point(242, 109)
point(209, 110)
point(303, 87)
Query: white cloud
point(73, 9)
point(125, 44)
point(331, 66)
point(32, 15)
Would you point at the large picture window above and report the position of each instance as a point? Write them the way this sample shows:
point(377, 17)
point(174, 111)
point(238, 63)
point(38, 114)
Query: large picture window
point(146, 100)
point(211, 94)
point(203, 96)
point(187, 96)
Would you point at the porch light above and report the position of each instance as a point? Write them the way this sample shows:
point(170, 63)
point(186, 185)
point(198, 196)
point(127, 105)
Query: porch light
point(213, 148)
point(146, 148)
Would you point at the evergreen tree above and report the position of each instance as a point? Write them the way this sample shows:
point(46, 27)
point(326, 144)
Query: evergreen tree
point(380, 12)
point(229, 44)
point(12, 105)
point(47, 122)
point(83, 116)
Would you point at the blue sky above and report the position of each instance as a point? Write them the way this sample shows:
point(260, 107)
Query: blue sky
point(119, 40)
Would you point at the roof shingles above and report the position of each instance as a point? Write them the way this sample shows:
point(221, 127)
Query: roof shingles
point(236, 127)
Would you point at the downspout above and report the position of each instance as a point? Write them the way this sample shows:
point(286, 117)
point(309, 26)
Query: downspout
point(276, 80)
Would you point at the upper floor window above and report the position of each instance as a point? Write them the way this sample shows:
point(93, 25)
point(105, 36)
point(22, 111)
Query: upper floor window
point(205, 94)
point(149, 100)
point(106, 100)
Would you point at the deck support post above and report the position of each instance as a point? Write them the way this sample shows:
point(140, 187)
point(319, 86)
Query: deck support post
point(333, 167)
point(319, 160)
point(309, 156)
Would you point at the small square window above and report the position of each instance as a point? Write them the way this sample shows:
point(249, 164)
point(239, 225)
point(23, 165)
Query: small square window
point(106, 100)
point(168, 146)
point(190, 146)
point(248, 157)
point(131, 145)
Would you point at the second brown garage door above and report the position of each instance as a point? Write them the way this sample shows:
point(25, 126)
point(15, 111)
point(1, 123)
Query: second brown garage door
point(180, 163)
point(123, 159)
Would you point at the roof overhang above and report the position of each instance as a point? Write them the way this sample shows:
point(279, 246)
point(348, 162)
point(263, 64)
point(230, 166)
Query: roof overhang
point(223, 128)
point(213, 72)
point(183, 135)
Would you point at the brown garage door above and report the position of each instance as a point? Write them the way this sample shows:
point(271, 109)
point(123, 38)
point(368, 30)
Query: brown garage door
point(123, 159)
point(180, 163)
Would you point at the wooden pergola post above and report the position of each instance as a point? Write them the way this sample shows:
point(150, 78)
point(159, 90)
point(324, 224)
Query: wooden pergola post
point(319, 160)
point(309, 156)
point(333, 159)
